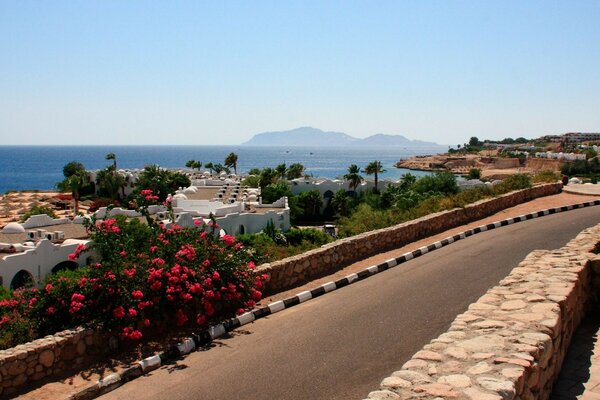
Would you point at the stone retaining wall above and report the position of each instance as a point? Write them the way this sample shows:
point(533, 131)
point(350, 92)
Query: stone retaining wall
point(511, 343)
point(49, 356)
point(289, 272)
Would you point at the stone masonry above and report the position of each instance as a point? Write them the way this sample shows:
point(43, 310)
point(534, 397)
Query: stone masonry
point(287, 273)
point(511, 343)
point(49, 356)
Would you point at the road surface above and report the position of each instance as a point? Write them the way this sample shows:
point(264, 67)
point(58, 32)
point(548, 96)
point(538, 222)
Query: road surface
point(341, 345)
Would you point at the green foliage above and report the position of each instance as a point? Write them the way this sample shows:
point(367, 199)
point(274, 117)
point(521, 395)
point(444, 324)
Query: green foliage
point(295, 171)
point(374, 168)
point(546, 176)
point(513, 182)
point(268, 176)
point(162, 182)
point(252, 181)
point(317, 237)
point(109, 183)
point(440, 182)
point(37, 210)
point(581, 167)
point(342, 203)
point(231, 161)
point(353, 176)
point(193, 164)
point(474, 173)
point(310, 202)
point(73, 168)
point(254, 171)
point(275, 191)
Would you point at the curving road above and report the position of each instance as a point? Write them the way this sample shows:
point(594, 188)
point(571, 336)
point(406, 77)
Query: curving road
point(340, 345)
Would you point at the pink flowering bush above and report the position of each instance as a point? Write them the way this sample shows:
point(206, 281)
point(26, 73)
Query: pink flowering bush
point(148, 277)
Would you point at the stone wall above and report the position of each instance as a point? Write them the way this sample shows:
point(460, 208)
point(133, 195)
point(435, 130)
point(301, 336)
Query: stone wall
point(286, 273)
point(49, 356)
point(511, 343)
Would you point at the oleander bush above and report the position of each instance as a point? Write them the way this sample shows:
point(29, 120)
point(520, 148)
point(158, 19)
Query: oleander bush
point(148, 277)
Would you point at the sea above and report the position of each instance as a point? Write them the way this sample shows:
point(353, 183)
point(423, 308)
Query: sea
point(40, 167)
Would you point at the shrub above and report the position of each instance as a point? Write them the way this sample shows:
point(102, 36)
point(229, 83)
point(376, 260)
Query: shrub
point(37, 210)
point(148, 277)
point(474, 173)
point(546, 176)
point(513, 182)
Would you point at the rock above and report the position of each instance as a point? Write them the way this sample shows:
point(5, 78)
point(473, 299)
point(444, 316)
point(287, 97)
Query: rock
point(458, 380)
point(46, 358)
point(505, 389)
point(394, 382)
point(483, 343)
point(413, 377)
point(475, 394)
point(480, 368)
point(437, 389)
point(17, 368)
point(513, 305)
point(383, 395)
point(428, 355)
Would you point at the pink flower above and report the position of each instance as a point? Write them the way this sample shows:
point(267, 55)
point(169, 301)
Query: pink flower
point(49, 287)
point(119, 312)
point(228, 239)
point(131, 312)
point(137, 294)
point(216, 276)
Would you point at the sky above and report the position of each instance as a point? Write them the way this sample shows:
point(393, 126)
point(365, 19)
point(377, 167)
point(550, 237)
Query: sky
point(207, 73)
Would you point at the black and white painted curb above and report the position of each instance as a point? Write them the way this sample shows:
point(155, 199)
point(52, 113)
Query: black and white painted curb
point(198, 340)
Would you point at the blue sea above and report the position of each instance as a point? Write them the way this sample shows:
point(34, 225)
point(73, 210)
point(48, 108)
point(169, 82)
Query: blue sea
point(40, 167)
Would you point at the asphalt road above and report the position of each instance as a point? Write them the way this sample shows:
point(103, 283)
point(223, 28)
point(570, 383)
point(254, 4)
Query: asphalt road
point(341, 345)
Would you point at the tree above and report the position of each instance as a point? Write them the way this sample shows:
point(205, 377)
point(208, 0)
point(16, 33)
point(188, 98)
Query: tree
point(193, 164)
point(109, 183)
point(267, 177)
point(221, 168)
point(281, 169)
point(231, 161)
point(353, 176)
point(275, 191)
point(113, 157)
point(72, 168)
point(295, 171)
point(254, 171)
point(474, 142)
point(162, 182)
point(341, 203)
point(474, 173)
point(374, 168)
point(76, 183)
point(311, 202)
point(209, 166)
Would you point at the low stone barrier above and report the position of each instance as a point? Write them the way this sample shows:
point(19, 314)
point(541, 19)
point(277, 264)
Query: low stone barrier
point(511, 343)
point(287, 273)
point(49, 356)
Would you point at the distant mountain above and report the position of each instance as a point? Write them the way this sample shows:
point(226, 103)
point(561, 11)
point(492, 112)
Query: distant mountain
point(307, 136)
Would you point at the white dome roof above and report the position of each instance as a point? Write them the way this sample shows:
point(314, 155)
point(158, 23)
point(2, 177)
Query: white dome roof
point(180, 196)
point(13, 227)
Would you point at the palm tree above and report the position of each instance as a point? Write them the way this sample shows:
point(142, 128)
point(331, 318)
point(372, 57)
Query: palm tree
point(295, 171)
point(193, 164)
point(231, 162)
point(112, 156)
point(209, 166)
point(341, 203)
point(353, 176)
point(75, 183)
point(374, 168)
point(281, 168)
point(109, 182)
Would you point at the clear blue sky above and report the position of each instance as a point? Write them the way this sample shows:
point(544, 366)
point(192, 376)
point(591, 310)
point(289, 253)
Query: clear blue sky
point(178, 72)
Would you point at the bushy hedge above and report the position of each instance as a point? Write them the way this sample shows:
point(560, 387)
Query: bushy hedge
point(148, 277)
